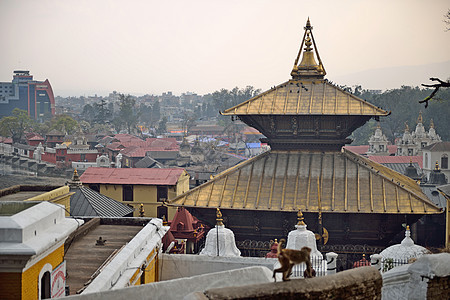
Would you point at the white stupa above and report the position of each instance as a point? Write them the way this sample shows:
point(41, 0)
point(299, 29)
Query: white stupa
point(220, 241)
point(301, 237)
point(405, 250)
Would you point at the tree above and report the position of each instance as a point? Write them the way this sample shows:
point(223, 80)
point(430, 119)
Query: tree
point(16, 125)
point(88, 113)
point(126, 113)
point(188, 122)
point(436, 86)
point(447, 20)
point(64, 123)
point(103, 113)
point(162, 126)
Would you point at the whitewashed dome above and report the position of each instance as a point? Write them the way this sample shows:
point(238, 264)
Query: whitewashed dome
point(222, 237)
point(301, 237)
point(405, 250)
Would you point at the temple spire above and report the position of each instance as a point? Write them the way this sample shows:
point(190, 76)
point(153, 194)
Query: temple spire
point(219, 219)
point(300, 218)
point(420, 119)
point(308, 67)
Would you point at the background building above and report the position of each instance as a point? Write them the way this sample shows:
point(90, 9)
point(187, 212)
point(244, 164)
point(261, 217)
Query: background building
point(36, 97)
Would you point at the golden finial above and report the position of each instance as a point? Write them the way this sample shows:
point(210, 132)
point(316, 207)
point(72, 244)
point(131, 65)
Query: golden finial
point(141, 211)
point(219, 218)
point(308, 25)
point(165, 221)
point(308, 43)
point(437, 166)
point(300, 217)
point(420, 119)
point(407, 227)
point(431, 123)
point(378, 125)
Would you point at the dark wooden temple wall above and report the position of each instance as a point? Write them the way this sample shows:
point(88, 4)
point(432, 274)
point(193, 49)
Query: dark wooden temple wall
point(379, 230)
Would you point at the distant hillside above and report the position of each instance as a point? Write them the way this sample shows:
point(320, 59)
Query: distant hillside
point(395, 77)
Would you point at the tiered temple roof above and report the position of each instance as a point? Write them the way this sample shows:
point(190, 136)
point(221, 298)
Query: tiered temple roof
point(307, 121)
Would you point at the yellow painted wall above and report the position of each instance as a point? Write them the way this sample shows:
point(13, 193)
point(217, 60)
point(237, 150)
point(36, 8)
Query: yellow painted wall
point(147, 195)
point(151, 271)
point(30, 278)
point(59, 196)
point(113, 191)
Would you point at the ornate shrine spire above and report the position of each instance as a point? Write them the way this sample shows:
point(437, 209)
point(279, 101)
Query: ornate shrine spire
point(308, 67)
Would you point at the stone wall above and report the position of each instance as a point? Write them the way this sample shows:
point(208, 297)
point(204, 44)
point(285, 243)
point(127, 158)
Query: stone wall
point(359, 283)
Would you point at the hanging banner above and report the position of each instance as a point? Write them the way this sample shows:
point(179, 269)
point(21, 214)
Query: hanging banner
point(59, 281)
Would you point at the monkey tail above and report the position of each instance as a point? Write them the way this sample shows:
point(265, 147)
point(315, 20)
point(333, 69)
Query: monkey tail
point(282, 241)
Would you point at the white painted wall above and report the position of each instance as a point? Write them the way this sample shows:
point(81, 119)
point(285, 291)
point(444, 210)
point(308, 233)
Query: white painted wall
point(173, 266)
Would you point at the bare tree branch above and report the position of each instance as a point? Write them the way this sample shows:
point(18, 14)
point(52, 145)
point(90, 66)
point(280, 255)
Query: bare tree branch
point(436, 87)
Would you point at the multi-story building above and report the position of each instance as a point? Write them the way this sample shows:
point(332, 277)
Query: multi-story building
point(137, 186)
point(36, 97)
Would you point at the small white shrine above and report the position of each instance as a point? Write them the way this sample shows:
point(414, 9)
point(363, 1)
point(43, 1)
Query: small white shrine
point(301, 237)
point(220, 241)
point(401, 253)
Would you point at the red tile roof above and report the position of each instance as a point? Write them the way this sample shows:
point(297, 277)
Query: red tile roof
point(397, 159)
point(127, 138)
point(362, 149)
point(135, 176)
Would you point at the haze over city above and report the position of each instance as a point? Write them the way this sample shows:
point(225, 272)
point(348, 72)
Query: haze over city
point(149, 47)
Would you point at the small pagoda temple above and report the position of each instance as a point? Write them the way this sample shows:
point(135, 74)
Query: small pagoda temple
point(345, 197)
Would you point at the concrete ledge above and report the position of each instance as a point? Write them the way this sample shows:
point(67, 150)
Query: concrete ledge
point(185, 287)
point(363, 282)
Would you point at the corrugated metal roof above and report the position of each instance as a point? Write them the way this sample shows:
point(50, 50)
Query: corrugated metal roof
point(131, 176)
point(86, 202)
point(383, 159)
point(401, 167)
point(440, 146)
point(306, 97)
point(289, 180)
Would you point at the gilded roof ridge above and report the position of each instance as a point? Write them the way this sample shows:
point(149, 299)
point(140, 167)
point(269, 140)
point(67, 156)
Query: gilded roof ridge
point(357, 98)
point(228, 181)
point(382, 168)
point(253, 98)
point(221, 174)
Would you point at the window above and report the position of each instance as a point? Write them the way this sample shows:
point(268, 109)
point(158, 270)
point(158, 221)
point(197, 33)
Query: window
point(381, 148)
point(95, 187)
point(410, 152)
point(444, 161)
point(127, 192)
point(424, 144)
point(161, 211)
point(161, 193)
point(45, 286)
point(426, 160)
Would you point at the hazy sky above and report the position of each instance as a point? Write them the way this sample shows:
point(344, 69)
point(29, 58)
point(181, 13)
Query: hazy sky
point(139, 47)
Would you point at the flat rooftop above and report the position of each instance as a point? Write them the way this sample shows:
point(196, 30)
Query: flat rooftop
point(24, 192)
point(83, 257)
point(20, 196)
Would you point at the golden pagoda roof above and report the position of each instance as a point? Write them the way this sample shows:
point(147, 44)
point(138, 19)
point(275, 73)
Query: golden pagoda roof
point(307, 97)
point(342, 182)
point(307, 93)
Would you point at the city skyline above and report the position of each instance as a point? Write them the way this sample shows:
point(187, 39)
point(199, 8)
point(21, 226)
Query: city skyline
point(148, 47)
